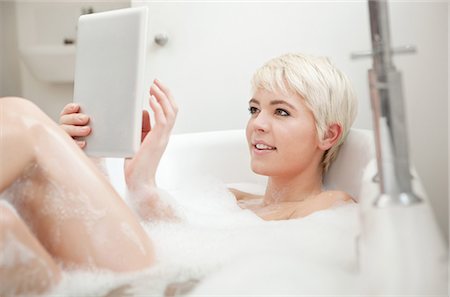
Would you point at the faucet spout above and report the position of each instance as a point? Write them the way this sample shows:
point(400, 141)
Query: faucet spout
point(388, 115)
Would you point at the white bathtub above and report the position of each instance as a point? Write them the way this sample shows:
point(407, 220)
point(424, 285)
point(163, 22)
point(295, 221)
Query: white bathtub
point(360, 250)
point(225, 155)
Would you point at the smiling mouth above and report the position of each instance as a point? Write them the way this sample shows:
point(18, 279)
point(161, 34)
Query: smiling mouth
point(264, 147)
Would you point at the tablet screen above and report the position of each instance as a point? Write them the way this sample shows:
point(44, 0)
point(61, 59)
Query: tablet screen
point(109, 79)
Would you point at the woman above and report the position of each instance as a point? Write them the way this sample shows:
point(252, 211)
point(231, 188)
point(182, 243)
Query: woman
point(301, 110)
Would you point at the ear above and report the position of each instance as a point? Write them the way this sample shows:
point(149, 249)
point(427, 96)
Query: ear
point(331, 136)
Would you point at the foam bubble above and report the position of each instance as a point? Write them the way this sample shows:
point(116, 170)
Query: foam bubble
point(57, 201)
point(24, 270)
point(217, 233)
point(14, 252)
point(216, 237)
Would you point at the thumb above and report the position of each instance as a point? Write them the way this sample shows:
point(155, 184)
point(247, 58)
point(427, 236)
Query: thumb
point(146, 127)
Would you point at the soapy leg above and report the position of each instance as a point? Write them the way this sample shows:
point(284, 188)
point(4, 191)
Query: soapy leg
point(66, 201)
point(25, 266)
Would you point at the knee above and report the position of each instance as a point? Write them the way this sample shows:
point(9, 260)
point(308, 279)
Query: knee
point(19, 114)
point(18, 104)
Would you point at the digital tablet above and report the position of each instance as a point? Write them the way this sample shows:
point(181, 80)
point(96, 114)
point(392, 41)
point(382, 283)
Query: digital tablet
point(109, 79)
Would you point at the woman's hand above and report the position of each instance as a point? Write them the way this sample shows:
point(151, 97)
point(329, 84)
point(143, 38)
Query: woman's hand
point(140, 171)
point(75, 123)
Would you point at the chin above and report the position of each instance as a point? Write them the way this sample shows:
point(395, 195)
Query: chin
point(259, 172)
point(262, 169)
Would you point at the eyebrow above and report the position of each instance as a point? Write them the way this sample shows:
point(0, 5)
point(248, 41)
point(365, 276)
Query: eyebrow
point(274, 102)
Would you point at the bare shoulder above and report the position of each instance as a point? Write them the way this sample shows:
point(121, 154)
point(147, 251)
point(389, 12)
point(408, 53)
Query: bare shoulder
point(324, 200)
point(240, 195)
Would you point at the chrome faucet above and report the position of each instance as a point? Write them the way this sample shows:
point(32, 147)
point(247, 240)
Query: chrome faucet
point(388, 113)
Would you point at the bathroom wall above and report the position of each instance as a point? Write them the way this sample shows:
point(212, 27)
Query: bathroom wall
point(425, 79)
point(214, 48)
point(9, 70)
point(426, 93)
point(2, 46)
point(48, 23)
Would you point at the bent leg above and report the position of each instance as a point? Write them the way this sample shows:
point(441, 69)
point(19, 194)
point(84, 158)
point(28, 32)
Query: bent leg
point(25, 266)
point(67, 202)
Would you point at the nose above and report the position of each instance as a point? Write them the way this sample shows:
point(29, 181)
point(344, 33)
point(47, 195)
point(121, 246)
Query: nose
point(260, 122)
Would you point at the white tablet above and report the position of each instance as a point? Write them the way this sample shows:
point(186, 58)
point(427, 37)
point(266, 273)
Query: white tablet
point(109, 79)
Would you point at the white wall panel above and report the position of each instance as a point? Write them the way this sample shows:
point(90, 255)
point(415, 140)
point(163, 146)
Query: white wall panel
point(9, 69)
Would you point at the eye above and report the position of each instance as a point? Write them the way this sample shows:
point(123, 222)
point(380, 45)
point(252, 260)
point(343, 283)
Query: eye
point(282, 112)
point(253, 110)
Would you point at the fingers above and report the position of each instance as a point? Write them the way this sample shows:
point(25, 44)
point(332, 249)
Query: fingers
point(145, 121)
point(74, 123)
point(163, 98)
point(70, 108)
point(158, 111)
point(166, 91)
point(76, 131)
point(146, 127)
point(77, 119)
point(70, 115)
point(81, 143)
point(164, 112)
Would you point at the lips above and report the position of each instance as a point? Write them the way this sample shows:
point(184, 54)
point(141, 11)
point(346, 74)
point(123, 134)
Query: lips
point(261, 146)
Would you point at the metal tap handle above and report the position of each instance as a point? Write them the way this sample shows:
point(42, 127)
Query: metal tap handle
point(405, 49)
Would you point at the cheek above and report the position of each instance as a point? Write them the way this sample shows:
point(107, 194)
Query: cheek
point(298, 132)
point(296, 157)
point(248, 130)
point(306, 131)
point(299, 142)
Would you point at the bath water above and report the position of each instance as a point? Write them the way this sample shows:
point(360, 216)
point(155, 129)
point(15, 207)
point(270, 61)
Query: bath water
point(218, 248)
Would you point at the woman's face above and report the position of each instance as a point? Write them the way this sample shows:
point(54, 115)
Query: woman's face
point(281, 134)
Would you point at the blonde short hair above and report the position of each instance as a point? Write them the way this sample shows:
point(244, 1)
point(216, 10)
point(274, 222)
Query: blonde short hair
point(325, 89)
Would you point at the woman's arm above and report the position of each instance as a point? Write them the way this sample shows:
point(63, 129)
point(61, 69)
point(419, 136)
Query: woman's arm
point(140, 171)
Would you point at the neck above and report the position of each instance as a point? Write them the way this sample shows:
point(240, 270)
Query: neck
point(293, 188)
